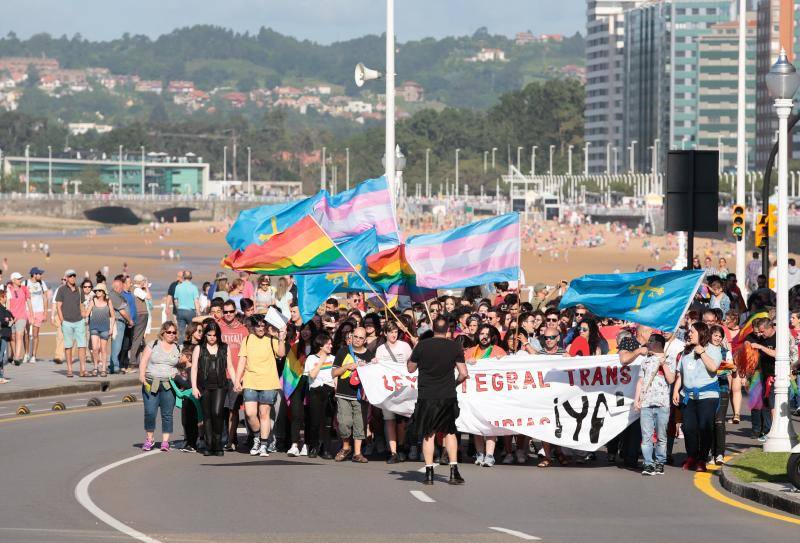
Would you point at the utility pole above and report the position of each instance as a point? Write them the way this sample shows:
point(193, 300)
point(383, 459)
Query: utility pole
point(119, 191)
point(347, 168)
point(533, 160)
point(428, 172)
point(322, 173)
point(249, 178)
point(741, 151)
point(143, 165)
point(456, 189)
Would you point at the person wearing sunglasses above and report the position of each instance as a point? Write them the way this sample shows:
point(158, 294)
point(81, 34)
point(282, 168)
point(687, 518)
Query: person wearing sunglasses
point(69, 309)
point(211, 364)
point(550, 341)
point(159, 364)
point(587, 342)
point(233, 334)
point(351, 407)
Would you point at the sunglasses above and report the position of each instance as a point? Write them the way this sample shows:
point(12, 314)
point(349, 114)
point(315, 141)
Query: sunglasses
point(584, 329)
point(87, 286)
point(582, 314)
point(550, 338)
point(552, 319)
point(170, 332)
point(229, 312)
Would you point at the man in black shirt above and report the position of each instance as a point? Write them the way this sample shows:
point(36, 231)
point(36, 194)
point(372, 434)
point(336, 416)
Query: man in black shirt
point(763, 340)
point(437, 401)
point(351, 409)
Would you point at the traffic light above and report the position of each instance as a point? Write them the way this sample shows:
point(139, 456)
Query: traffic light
point(737, 222)
point(762, 230)
point(772, 219)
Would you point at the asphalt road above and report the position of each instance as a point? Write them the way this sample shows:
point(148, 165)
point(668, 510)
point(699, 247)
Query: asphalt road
point(177, 497)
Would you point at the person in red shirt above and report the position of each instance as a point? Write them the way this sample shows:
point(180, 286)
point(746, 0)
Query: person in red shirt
point(233, 333)
point(19, 302)
point(587, 342)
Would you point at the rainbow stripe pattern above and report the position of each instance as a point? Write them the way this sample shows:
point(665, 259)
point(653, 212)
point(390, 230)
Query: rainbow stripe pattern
point(390, 270)
point(292, 371)
point(478, 253)
point(747, 329)
point(300, 249)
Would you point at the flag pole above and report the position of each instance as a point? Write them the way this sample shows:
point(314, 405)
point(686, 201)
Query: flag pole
point(355, 270)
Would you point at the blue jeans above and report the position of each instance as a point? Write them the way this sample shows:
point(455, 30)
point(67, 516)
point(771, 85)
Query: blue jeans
point(654, 419)
point(164, 399)
point(116, 347)
point(3, 349)
point(184, 317)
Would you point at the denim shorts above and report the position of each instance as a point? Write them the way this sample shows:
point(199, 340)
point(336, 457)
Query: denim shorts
point(267, 397)
point(102, 334)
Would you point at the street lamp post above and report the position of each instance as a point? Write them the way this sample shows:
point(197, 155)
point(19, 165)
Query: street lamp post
point(632, 167)
point(389, 150)
point(142, 170)
point(616, 160)
point(721, 148)
point(485, 161)
point(741, 138)
point(49, 169)
point(428, 172)
point(249, 178)
point(119, 176)
point(550, 171)
point(494, 151)
point(656, 142)
point(456, 189)
point(533, 160)
point(347, 168)
point(323, 174)
point(586, 158)
point(782, 82)
point(225, 163)
point(608, 158)
point(27, 170)
point(153, 187)
point(519, 159)
point(569, 153)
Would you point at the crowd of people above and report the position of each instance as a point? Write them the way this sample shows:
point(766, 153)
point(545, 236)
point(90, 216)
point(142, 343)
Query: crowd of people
point(221, 357)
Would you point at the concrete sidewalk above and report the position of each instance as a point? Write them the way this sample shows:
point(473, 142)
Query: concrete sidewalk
point(49, 379)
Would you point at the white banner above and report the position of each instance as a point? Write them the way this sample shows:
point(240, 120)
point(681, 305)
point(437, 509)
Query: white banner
point(580, 403)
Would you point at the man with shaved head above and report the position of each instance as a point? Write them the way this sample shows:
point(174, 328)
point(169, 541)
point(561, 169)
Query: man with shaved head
point(351, 408)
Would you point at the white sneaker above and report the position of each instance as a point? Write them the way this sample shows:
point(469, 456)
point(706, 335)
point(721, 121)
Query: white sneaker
point(508, 459)
point(294, 451)
point(256, 446)
point(26, 359)
point(719, 460)
point(304, 450)
point(479, 458)
point(32, 360)
point(262, 450)
point(521, 456)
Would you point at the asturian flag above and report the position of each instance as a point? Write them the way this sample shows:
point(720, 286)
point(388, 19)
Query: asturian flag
point(657, 299)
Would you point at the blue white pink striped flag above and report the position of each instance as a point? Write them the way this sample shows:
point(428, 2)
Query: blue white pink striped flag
point(478, 253)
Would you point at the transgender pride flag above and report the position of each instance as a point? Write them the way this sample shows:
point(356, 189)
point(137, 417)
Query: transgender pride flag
point(354, 211)
point(482, 252)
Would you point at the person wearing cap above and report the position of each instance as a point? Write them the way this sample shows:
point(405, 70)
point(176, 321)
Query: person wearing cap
point(101, 326)
point(141, 296)
point(543, 295)
point(19, 302)
point(39, 306)
point(69, 305)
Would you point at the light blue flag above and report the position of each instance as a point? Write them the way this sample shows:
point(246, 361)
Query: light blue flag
point(313, 290)
point(657, 299)
point(258, 224)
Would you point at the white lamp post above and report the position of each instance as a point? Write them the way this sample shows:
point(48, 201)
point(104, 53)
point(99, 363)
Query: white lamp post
point(519, 158)
point(533, 160)
point(142, 170)
point(119, 180)
point(49, 169)
point(428, 173)
point(323, 174)
point(782, 82)
point(569, 152)
point(494, 152)
point(586, 158)
point(550, 171)
point(27, 170)
point(389, 149)
point(347, 168)
point(456, 191)
point(249, 178)
point(633, 156)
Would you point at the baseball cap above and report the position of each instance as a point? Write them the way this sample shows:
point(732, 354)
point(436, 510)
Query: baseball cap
point(35, 271)
point(69, 272)
point(16, 275)
point(538, 287)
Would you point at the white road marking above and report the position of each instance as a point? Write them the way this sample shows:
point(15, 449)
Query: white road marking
point(515, 533)
point(9, 413)
point(82, 495)
point(421, 496)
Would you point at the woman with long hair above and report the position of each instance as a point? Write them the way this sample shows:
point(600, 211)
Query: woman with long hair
point(343, 335)
point(719, 348)
point(235, 292)
point(264, 295)
point(189, 416)
point(732, 329)
point(101, 326)
point(697, 392)
point(211, 363)
point(587, 342)
point(317, 369)
point(157, 366)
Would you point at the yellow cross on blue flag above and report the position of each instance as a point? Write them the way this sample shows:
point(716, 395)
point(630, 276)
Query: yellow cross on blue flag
point(657, 299)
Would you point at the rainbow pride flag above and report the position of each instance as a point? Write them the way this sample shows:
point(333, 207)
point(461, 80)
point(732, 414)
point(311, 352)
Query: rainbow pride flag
point(292, 371)
point(391, 271)
point(746, 330)
point(302, 248)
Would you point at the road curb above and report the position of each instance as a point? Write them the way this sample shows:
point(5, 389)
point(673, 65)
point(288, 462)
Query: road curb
point(93, 386)
point(763, 496)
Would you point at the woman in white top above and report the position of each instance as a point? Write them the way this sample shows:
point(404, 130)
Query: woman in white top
point(264, 295)
point(321, 393)
point(393, 351)
point(283, 297)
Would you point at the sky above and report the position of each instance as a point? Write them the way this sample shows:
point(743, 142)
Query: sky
point(323, 21)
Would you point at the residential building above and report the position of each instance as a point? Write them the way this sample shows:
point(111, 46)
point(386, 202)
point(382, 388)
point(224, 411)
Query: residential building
point(603, 110)
point(149, 85)
point(524, 38)
point(235, 99)
point(358, 106)
point(718, 91)
point(22, 64)
point(488, 55)
point(777, 21)
point(180, 87)
point(646, 86)
point(411, 91)
point(77, 129)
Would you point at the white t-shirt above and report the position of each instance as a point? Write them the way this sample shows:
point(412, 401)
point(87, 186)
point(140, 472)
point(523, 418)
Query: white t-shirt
point(38, 291)
point(401, 351)
point(324, 376)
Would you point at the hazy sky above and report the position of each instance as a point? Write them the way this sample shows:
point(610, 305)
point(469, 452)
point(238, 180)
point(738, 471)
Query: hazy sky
point(323, 21)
